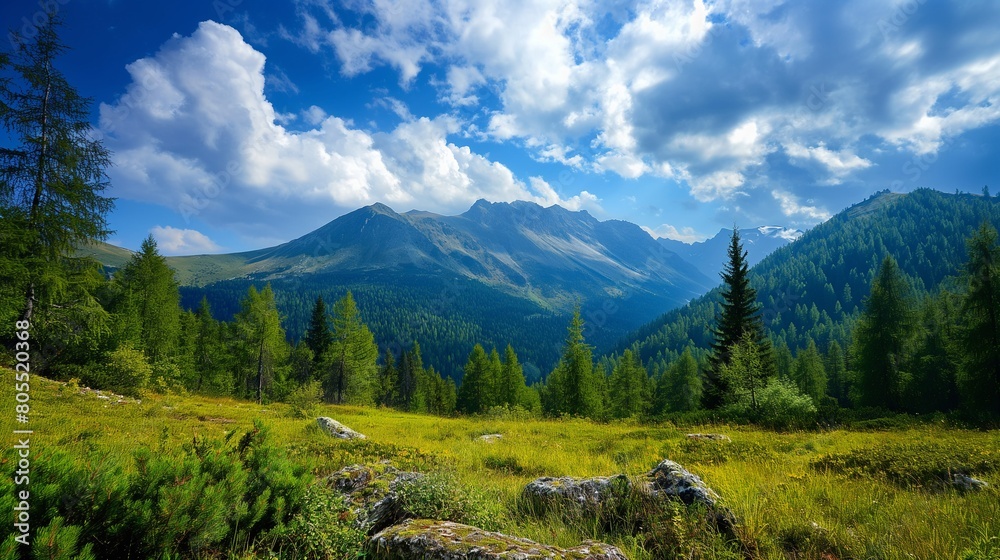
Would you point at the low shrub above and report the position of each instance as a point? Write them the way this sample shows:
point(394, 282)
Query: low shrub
point(912, 465)
point(440, 496)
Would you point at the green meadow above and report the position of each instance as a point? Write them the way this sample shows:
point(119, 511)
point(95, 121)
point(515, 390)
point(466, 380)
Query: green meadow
point(812, 494)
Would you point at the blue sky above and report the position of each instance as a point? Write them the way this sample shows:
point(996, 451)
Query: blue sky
point(239, 124)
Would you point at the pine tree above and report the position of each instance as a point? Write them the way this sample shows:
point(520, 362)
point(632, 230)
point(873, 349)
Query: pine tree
point(740, 316)
point(578, 386)
point(472, 393)
point(881, 340)
point(933, 366)
point(318, 336)
point(836, 370)
point(680, 386)
point(262, 341)
point(51, 177)
point(511, 387)
point(350, 361)
point(809, 374)
point(388, 379)
point(980, 335)
point(150, 302)
point(746, 374)
point(629, 396)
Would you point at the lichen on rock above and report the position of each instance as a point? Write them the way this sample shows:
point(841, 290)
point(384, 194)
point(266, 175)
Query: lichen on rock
point(423, 539)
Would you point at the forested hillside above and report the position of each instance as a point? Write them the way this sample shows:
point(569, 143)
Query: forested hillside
point(813, 288)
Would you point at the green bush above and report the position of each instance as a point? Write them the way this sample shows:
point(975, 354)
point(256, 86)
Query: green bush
point(322, 528)
point(780, 406)
point(440, 496)
point(304, 400)
point(125, 370)
point(211, 496)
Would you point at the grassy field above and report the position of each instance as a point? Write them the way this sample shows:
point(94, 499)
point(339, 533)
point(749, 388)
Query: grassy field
point(826, 494)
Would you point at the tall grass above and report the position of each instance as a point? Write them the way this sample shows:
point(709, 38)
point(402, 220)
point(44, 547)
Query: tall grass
point(790, 496)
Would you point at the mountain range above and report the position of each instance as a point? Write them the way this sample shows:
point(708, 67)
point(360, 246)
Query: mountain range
point(814, 289)
point(499, 273)
point(709, 256)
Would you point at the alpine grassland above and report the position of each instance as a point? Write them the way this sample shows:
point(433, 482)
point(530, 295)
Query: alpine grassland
point(223, 478)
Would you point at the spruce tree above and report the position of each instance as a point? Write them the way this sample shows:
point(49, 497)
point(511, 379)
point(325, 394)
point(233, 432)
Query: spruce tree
point(980, 335)
point(511, 385)
point(350, 361)
point(629, 396)
point(318, 335)
point(740, 317)
point(836, 370)
point(881, 340)
point(579, 387)
point(472, 393)
point(149, 303)
point(52, 175)
point(680, 387)
point(809, 374)
point(262, 345)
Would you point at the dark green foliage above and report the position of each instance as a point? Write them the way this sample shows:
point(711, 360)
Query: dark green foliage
point(318, 336)
point(213, 496)
point(809, 374)
point(348, 367)
point(739, 320)
point(574, 387)
point(679, 388)
point(980, 333)
point(477, 382)
point(629, 388)
point(147, 307)
point(934, 365)
point(836, 370)
point(51, 179)
point(882, 339)
point(923, 231)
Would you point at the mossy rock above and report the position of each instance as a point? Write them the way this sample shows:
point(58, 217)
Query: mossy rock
point(423, 539)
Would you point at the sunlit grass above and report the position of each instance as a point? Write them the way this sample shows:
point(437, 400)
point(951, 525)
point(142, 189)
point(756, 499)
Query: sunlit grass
point(766, 478)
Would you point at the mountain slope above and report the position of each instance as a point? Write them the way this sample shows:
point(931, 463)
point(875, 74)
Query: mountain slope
point(816, 285)
point(709, 255)
point(499, 273)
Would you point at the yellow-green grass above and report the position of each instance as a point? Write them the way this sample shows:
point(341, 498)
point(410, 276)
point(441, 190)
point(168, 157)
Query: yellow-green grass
point(766, 478)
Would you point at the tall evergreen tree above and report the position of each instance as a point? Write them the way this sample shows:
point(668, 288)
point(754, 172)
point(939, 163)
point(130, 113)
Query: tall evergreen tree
point(574, 379)
point(150, 302)
point(740, 315)
point(933, 366)
point(262, 345)
point(836, 370)
point(809, 374)
point(350, 361)
point(511, 387)
point(746, 374)
point(318, 336)
point(388, 378)
point(472, 393)
point(881, 340)
point(679, 389)
point(980, 335)
point(51, 175)
point(629, 396)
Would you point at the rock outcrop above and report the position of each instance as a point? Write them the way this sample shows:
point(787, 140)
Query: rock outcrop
point(574, 494)
point(373, 494)
point(601, 495)
point(422, 539)
point(336, 429)
point(490, 438)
